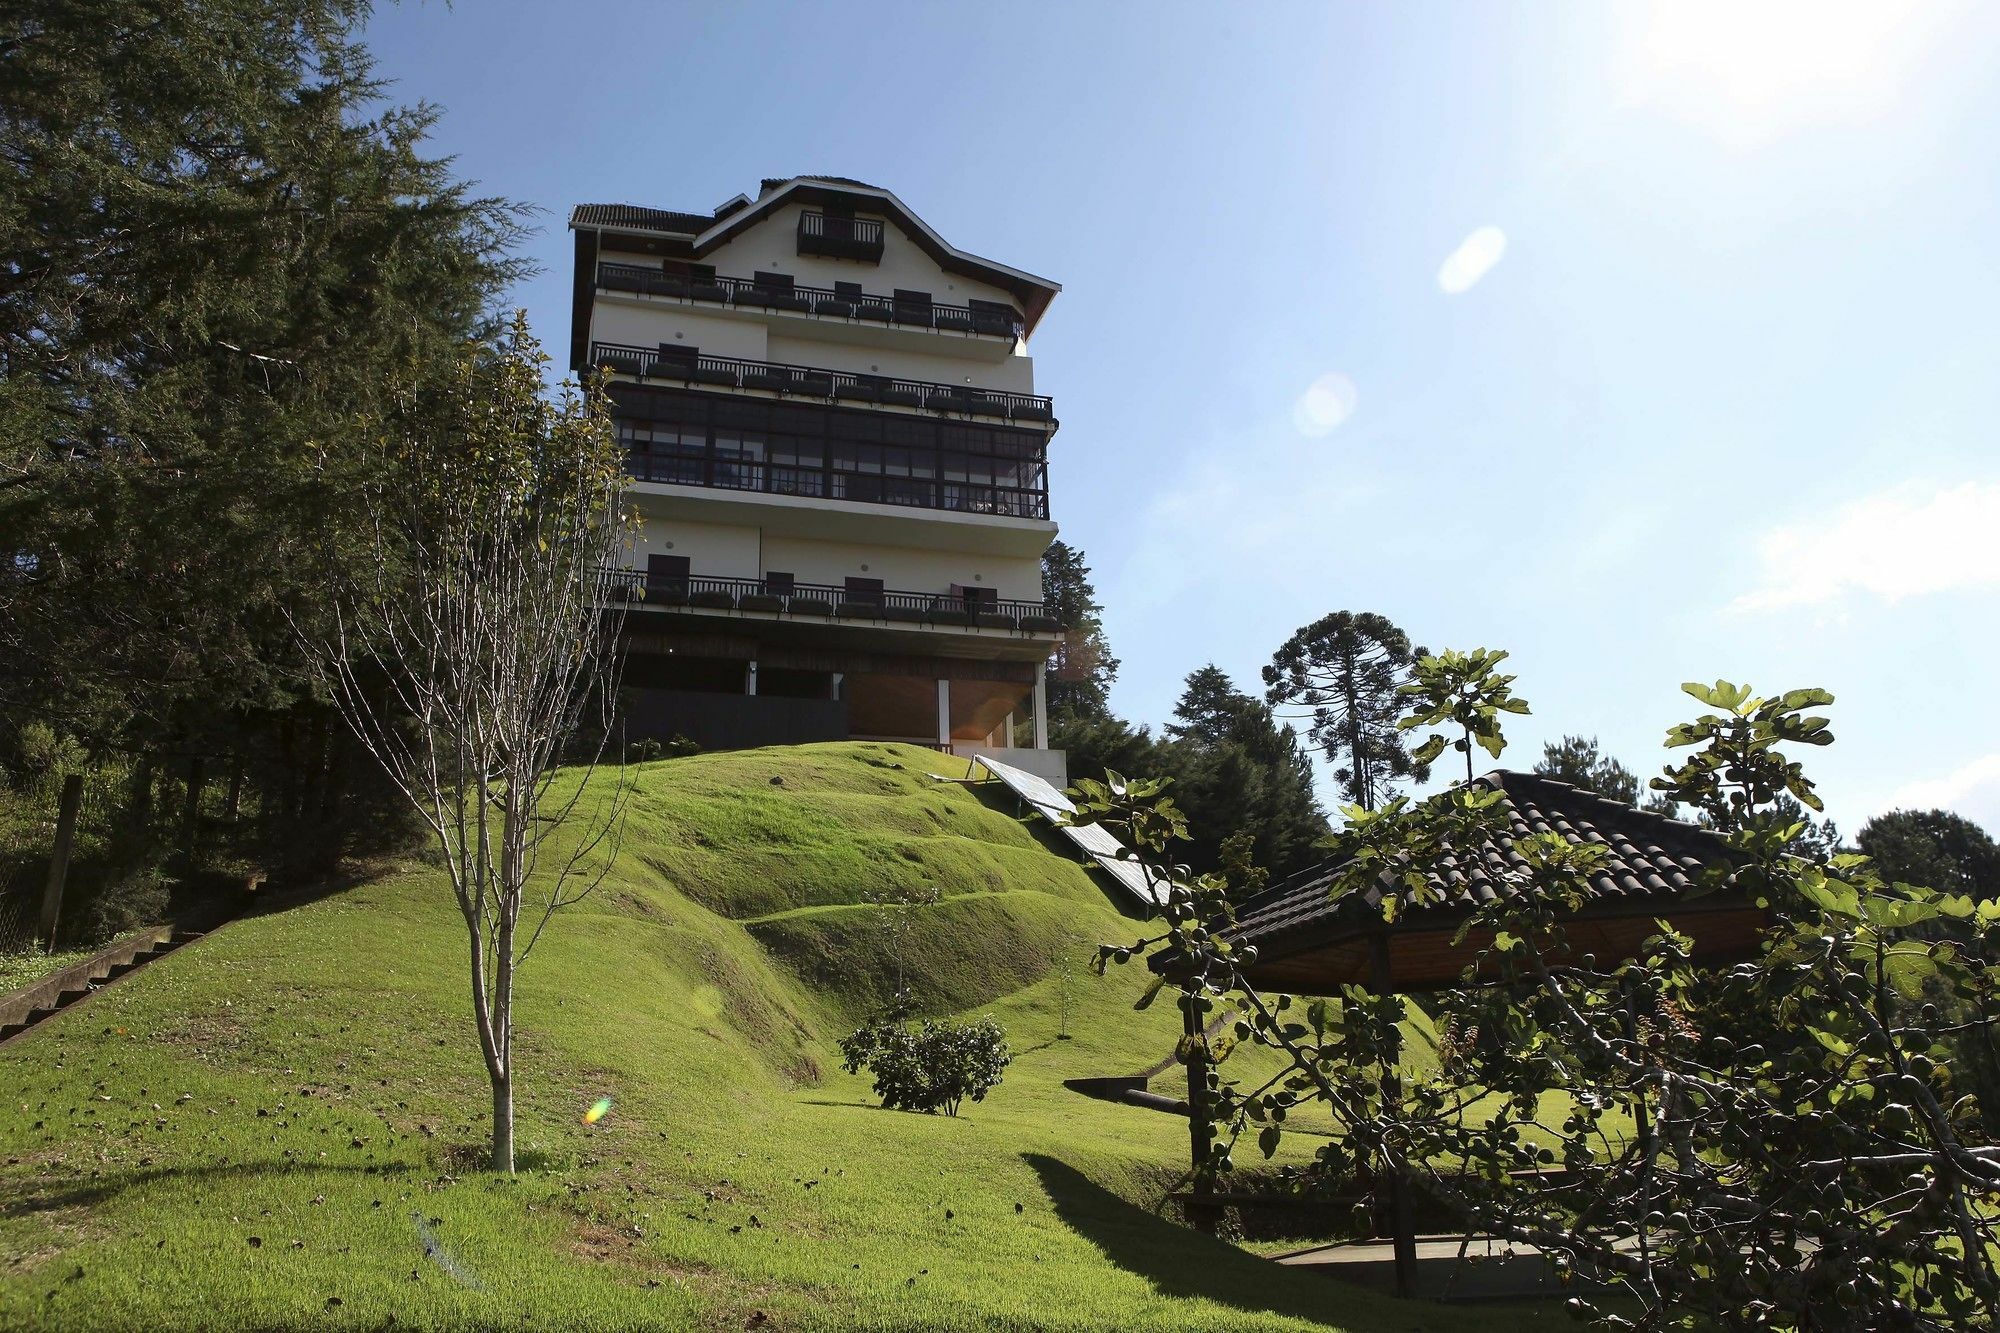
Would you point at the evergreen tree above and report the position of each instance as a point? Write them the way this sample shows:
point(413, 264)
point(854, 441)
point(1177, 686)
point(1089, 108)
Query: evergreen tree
point(1577, 761)
point(1933, 848)
point(1343, 672)
point(1212, 710)
point(1081, 667)
point(1239, 771)
point(218, 246)
point(1094, 744)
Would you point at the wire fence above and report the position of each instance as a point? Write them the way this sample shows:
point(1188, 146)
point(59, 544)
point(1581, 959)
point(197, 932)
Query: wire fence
point(20, 913)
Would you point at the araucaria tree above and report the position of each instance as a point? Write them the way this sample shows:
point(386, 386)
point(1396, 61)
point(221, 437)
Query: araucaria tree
point(474, 651)
point(1342, 672)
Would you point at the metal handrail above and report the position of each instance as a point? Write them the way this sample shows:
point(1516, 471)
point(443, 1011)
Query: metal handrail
point(837, 601)
point(818, 382)
point(862, 231)
point(840, 235)
point(824, 302)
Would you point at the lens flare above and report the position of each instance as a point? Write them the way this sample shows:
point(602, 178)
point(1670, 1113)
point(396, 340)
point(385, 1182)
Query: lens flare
point(598, 1110)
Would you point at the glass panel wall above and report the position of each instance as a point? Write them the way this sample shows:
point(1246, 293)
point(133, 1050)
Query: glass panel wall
point(796, 449)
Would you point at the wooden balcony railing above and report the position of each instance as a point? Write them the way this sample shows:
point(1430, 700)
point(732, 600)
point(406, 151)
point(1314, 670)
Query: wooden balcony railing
point(815, 382)
point(994, 320)
point(825, 601)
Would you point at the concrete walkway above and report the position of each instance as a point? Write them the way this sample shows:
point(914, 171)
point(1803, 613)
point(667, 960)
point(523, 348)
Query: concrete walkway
point(1490, 1268)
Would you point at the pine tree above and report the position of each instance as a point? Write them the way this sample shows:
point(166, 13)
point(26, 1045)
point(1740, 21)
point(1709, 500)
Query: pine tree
point(219, 245)
point(1239, 771)
point(1935, 848)
point(1081, 667)
point(1577, 761)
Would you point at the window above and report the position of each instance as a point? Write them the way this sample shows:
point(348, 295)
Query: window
point(795, 465)
point(798, 449)
point(738, 467)
point(663, 452)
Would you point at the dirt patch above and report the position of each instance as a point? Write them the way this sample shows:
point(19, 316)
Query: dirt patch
point(596, 1242)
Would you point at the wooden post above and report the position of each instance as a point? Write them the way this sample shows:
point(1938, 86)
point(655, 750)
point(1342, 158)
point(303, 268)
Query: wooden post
point(139, 801)
point(1201, 1216)
point(308, 787)
point(1402, 1228)
point(236, 789)
point(66, 809)
point(329, 791)
point(277, 811)
point(191, 810)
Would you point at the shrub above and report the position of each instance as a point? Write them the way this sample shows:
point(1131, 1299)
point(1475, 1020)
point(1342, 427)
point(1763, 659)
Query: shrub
point(645, 751)
point(138, 898)
point(932, 1067)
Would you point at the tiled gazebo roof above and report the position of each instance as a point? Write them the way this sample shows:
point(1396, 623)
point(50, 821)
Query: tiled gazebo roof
point(1653, 867)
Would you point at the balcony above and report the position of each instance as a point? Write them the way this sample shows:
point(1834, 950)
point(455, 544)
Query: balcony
point(840, 237)
point(810, 382)
point(847, 302)
point(822, 601)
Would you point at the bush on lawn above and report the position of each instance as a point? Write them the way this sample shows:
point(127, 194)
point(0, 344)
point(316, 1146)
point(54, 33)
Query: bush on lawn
point(931, 1067)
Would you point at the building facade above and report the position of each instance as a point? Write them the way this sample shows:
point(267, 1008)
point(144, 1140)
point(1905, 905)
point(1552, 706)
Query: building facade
point(841, 465)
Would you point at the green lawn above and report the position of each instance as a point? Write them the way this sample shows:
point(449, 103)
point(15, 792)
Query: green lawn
point(280, 1126)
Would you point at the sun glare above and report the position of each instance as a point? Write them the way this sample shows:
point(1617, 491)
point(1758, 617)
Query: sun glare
point(1752, 71)
point(1465, 266)
point(1327, 401)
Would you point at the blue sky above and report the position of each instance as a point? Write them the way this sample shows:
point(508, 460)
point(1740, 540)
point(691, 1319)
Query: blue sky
point(1710, 390)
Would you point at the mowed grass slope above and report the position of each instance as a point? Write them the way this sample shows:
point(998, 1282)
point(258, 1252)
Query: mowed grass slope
point(281, 1126)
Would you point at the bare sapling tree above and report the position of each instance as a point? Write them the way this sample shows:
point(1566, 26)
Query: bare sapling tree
point(473, 652)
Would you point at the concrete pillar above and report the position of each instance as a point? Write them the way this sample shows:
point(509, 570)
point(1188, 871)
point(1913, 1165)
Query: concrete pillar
point(1009, 732)
point(944, 713)
point(838, 678)
point(750, 677)
point(1041, 705)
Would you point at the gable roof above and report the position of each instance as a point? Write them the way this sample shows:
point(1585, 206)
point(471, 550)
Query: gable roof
point(705, 232)
point(1652, 864)
point(633, 217)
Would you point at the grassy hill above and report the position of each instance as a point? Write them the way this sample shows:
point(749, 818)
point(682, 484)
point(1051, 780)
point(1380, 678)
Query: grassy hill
point(281, 1126)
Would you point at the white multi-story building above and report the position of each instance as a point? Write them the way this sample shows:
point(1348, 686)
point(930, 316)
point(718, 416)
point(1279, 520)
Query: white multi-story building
point(842, 466)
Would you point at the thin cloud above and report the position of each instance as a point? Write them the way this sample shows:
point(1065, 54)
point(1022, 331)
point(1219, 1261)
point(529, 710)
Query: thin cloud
point(1905, 542)
point(1973, 790)
point(1475, 256)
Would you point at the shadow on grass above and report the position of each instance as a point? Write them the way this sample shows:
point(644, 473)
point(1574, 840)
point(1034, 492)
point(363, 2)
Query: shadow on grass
point(26, 1198)
point(1185, 1264)
point(862, 1106)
